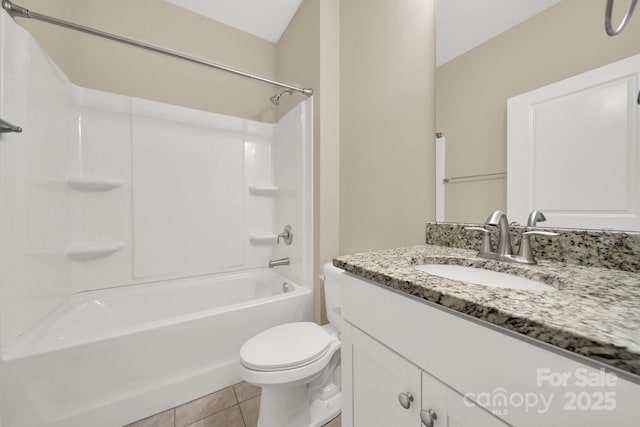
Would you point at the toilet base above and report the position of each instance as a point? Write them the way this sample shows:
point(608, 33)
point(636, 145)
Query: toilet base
point(324, 411)
point(288, 410)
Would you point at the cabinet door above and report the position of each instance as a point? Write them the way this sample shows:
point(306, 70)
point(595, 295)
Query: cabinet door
point(379, 377)
point(450, 409)
point(434, 400)
point(464, 413)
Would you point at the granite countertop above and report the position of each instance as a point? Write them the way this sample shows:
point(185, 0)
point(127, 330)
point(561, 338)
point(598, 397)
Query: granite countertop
point(595, 312)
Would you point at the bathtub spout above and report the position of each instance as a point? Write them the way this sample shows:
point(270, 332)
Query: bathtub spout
point(277, 262)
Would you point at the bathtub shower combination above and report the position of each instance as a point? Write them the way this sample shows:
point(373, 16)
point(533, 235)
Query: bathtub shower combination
point(134, 243)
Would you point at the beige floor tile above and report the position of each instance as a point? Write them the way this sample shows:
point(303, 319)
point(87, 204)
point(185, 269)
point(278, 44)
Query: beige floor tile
point(336, 422)
point(205, 406)
point(228, 418)
point(245, 391)
point(250, 409)
point(163, 419)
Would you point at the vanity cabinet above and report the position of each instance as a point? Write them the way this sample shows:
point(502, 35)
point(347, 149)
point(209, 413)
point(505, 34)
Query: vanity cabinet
point(467, 372)
point(388, 390)
point(379, 376)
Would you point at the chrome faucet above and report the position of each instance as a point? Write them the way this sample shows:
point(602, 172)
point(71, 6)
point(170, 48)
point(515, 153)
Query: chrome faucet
point(278, 262)
point(535, 217)
point(499, 218)
point(504, 251)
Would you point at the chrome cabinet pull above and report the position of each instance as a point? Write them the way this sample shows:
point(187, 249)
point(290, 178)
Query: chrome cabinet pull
point(428, 417)
point(405, 400)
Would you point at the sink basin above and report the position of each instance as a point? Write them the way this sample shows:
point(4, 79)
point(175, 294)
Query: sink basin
point(483, 277)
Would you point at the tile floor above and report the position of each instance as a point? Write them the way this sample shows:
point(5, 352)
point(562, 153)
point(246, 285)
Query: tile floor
point(235, 406)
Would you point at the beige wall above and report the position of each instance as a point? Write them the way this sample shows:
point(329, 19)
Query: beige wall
point(386, 123)
point(351, 52)
point(105, 65)
point(54, 40)
point(307, 54)
point(472, 91)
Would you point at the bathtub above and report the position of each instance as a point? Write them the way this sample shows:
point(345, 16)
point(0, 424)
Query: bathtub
point(111, 357)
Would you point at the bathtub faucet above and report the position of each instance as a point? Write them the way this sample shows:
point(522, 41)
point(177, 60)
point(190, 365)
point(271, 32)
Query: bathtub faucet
point(277, 262)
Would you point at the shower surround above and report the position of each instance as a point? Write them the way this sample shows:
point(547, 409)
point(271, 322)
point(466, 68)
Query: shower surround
point(134, 237)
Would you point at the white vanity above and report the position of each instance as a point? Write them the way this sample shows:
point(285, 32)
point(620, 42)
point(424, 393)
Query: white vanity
point(408, 361)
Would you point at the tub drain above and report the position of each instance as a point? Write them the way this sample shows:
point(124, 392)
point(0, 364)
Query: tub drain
point(285, 287)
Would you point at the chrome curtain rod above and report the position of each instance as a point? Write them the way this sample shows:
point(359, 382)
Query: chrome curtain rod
point(18, 11)
point(480, 176)
point(8, 127)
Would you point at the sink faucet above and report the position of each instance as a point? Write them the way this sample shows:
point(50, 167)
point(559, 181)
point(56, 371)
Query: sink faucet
point(499, 218)
point(278, 262)
point(504, 251)
point(535, 217)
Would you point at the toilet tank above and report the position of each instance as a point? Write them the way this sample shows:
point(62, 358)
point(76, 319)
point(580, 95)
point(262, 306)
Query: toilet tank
point(333, 294)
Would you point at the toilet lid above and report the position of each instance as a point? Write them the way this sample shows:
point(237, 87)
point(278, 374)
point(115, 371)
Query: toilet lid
point(285, 346)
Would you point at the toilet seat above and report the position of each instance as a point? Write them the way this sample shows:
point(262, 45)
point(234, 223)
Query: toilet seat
point(302, 370)
point(285, 347)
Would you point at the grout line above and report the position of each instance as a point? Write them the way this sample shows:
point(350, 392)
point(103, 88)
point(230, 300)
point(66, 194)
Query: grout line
point(244, 422)
point(174, 409)
point(235, 393)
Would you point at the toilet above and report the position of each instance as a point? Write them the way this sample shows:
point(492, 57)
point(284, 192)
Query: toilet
point(298, 366)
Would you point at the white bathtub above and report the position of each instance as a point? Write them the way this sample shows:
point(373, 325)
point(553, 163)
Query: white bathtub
point(110, 357)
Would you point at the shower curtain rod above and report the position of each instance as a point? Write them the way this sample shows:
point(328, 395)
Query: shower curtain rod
point(15, 10)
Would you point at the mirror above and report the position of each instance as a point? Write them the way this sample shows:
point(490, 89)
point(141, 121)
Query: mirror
point(557, 40)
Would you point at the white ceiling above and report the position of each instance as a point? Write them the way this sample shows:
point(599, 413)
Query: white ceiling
point(461, 25)
point(266, 19)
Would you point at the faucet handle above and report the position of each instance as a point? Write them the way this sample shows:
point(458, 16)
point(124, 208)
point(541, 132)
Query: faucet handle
point(286, 235)
point(486, 240)
point(540, 233)
point(525, 251)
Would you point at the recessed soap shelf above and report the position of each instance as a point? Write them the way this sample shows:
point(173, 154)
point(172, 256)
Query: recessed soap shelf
point(263, 238)
point(264, 190)
point(93, 250)
point(92, 183)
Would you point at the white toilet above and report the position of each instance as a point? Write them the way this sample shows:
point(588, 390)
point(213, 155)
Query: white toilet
point(298, 366)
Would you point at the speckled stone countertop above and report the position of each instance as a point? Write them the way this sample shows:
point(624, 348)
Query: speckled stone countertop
point(595, 311)
point(619, 250)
